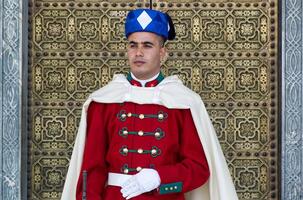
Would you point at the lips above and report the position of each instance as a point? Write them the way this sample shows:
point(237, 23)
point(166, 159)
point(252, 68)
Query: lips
point(139, 62)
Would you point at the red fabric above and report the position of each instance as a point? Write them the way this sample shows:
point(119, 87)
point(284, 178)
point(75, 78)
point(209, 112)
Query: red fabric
point(182, 157)
point(152, 83)
point(135, 83)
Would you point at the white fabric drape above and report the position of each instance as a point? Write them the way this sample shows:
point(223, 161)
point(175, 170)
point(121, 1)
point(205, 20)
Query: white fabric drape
point(170, 93)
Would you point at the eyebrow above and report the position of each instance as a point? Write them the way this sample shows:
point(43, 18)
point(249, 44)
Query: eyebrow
point(145, 43)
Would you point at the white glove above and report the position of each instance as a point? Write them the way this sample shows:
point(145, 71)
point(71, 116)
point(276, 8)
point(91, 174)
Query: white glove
point(144, 181)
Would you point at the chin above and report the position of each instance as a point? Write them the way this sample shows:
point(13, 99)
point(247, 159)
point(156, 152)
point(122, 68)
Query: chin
point(138, 70)
point(138, 73)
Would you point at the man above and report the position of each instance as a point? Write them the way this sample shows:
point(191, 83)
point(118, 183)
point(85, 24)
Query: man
point(146, 137)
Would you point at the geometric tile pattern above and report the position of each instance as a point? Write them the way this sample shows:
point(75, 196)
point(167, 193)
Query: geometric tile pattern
point(225, 51)
point(292, 88)
point(10, 98)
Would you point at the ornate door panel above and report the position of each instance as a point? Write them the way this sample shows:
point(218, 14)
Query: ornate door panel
point(226, 51)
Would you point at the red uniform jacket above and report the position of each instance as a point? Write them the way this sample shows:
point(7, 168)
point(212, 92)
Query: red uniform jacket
point(124, 138)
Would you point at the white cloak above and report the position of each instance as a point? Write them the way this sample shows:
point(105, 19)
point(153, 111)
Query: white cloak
point(170, 93)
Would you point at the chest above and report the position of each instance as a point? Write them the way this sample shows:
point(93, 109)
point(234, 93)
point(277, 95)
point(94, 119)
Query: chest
point(146, 123)
point(142, 134)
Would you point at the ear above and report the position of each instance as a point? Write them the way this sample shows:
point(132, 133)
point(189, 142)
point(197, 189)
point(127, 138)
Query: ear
point(163, 53)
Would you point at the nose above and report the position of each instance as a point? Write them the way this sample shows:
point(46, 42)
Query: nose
point(139, 51)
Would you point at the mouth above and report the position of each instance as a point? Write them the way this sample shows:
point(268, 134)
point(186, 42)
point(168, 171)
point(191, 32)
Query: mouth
point(139, 62)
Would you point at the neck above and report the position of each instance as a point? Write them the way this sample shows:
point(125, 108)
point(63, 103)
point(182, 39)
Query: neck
point(143, 77)
point(143, 81)
point(151, 82)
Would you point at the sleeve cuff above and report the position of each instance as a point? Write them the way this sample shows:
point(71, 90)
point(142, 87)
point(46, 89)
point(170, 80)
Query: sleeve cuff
point(170, 188)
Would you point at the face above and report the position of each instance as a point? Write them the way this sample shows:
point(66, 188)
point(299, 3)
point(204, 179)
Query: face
point(145, 52)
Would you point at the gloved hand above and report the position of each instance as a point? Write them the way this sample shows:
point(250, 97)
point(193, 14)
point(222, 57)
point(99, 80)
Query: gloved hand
point(144, 181)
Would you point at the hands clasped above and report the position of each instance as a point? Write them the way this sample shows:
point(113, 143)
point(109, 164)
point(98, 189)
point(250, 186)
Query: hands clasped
point(144, 181)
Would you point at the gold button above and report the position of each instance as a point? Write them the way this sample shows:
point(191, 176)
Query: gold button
point(154, 151)
point(141, 116)
point(125, 150)
point(125, 132)
point(140, 150)
point(157, 134)
point(166, 188)
point(123, 115)
point(139, 169)
point(129, 114)
point(140, 133)
point(125, 171)
point(176, 187)
point(160, 116)
point(171, 188)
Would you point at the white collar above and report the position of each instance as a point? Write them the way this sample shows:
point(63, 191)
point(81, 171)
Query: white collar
point(143, 82)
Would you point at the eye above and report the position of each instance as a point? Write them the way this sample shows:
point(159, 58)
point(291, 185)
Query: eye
point(148, 45)
point(131, 45)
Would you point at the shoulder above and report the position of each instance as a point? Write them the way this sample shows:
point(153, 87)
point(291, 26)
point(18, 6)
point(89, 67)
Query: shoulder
point(95, 106)
point(176, 90)
point(115, 87)
point(102, 108)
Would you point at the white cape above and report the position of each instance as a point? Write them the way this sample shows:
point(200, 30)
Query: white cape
point(170, 93)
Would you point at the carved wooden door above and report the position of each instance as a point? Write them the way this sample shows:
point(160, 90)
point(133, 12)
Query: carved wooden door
point(225, 50)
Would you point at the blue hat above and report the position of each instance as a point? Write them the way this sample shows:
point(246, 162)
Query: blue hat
point(147, 20)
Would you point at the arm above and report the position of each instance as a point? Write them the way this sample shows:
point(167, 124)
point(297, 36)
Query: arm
point(189, 173)
point(192, 171)
point(94, 154)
